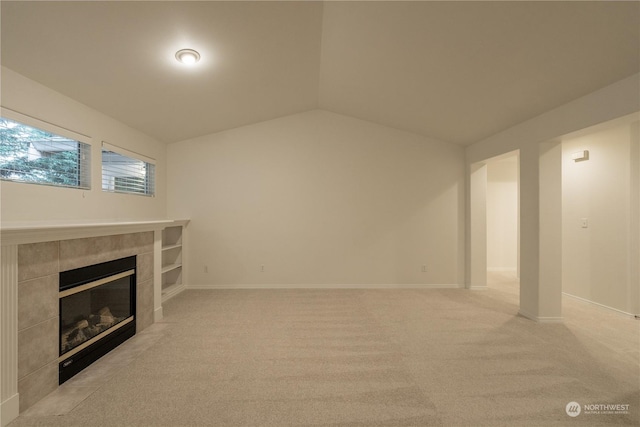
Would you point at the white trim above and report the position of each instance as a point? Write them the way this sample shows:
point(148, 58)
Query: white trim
point(605, 307)
point(172, 292)
point(181, 223)
point(502, 270)
point(478, 288)
point(128, 153)
point(17, 234)
point(9, 410)
point(550, 320)
point(541, 319)
point(157, 275)
point(157, 315)
point(325, 286)
point(527, 315)
point(170, 267)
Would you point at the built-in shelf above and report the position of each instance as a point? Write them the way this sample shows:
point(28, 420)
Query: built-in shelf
point(172, 263)
point(169, 267)
point(170, 247)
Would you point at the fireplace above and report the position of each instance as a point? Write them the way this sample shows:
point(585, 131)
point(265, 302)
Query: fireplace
point(97, 312)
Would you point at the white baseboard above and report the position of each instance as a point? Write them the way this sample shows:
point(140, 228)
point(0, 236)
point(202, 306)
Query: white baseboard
point(9, 409)
point(172, 292)
point(478, 287)
point(158, 314)
point(597, 304)
point(550, 320)
point(327, 286)
point(540, 319)
point(501, 270)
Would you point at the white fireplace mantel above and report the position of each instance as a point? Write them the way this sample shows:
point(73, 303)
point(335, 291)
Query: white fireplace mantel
point(22, 233)
point(14, 234)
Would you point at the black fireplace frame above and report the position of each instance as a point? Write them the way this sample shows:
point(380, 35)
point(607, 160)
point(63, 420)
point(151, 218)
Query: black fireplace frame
point(72, 365)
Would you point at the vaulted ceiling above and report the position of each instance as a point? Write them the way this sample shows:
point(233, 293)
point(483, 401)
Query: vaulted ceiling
point(454, 71)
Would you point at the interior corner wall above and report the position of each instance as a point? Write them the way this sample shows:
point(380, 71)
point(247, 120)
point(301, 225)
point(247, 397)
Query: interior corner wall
point(22, 202)
point(597, 218)
point(502, 215)
point(319, 199)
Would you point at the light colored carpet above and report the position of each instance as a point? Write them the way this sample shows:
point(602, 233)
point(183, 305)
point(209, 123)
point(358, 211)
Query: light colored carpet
point(366, 358)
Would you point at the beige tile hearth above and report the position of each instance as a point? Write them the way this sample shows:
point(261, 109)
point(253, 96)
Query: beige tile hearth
point(69, 395)
point(60, 402)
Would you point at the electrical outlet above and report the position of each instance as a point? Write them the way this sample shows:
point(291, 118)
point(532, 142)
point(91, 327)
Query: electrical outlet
point(424, 268)
point(262, 269)
point(206, 268)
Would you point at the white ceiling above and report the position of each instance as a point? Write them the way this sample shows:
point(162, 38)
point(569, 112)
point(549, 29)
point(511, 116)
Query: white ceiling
point(455, 71)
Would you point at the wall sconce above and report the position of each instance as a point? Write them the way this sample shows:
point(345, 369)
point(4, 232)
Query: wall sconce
point(580, 156)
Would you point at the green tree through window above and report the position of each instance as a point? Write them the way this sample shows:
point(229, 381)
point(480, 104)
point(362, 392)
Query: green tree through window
point(32, 155)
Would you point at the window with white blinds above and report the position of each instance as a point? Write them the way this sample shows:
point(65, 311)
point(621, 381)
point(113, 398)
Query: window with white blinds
point(30, 154)
point(126, 172)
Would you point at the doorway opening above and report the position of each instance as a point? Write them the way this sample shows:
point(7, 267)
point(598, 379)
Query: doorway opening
point(502, 219)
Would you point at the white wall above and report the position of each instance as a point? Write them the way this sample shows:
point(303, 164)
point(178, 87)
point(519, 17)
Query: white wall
point(616, 100)
point(319, 198)
point(634, 243)
point(28, 202)
point(502, 215)
point(596, 262)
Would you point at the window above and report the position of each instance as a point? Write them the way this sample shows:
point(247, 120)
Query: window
point(127, 172)
point(34, 155)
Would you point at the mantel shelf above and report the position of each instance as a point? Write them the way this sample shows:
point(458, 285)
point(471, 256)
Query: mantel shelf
point(24, 233)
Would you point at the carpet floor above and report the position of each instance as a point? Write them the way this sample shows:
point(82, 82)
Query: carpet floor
point(407, 357)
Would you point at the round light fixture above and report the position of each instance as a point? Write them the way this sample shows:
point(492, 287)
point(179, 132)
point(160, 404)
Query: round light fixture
point(187, 56)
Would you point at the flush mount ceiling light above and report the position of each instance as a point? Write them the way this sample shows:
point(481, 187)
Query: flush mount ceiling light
point(187, 56)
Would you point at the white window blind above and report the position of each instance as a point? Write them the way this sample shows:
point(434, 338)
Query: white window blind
point(33, 155)
point(124, 171)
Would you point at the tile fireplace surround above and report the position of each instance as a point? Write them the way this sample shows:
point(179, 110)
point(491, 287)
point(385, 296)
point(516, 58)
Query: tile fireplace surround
point(32, 258)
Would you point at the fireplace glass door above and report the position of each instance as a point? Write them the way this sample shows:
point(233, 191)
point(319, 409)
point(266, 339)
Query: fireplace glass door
point(90, 311)
point(97, 312)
